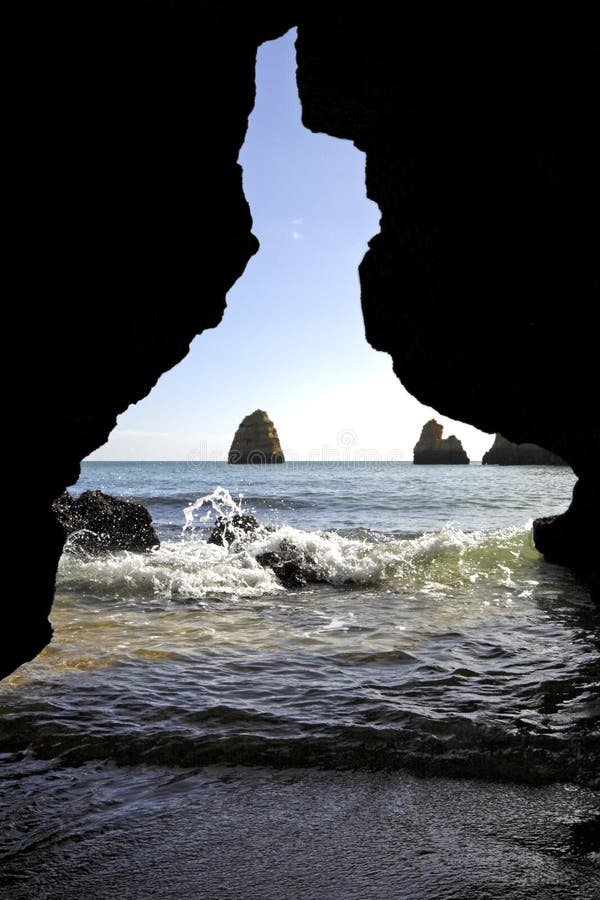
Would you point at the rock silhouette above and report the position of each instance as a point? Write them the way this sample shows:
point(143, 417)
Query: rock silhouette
point(505, 453)
point(455, 161)
point(256, 441)
point(432, 449)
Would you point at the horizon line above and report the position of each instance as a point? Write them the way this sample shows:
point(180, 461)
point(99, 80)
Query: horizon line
point(196, 462)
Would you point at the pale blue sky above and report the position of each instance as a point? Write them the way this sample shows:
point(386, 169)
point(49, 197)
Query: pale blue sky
point(292, 338)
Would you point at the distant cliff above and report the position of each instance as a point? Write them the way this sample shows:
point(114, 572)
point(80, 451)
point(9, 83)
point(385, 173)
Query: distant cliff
point(505, 453)
point(432, 449)
point(256, 441)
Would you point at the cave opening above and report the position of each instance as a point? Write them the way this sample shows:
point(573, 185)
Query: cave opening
point(292, 342)
point(292, 339)
point(246, 717)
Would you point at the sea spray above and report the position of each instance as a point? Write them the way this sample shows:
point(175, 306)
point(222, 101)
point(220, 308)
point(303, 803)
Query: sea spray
point(218, 501)
point(448, 561)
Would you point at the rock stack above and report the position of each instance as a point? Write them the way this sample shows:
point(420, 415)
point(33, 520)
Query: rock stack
point(256, 441)
point(505, 453)
point(432, 449)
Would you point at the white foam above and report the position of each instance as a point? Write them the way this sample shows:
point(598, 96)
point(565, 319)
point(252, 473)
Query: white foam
point(190, 567)
point(219, 501)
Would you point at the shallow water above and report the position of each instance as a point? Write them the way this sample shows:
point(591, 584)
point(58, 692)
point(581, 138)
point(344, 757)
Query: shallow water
point(438, 643)
point(297, 833)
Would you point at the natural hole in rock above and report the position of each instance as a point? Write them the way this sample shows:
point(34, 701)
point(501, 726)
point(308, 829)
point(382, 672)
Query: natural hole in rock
point(292, 337)
point(384, 616)
point(292, 343)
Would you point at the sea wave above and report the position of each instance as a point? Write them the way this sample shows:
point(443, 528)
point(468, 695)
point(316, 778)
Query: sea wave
point(191, 567)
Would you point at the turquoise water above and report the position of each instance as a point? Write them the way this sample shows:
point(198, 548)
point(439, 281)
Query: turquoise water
point(437, 644)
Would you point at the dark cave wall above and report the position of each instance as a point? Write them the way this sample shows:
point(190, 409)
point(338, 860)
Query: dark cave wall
point(482, 149)
point(481, 137)
point(130, 225)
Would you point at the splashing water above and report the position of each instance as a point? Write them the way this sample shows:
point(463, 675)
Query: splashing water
point(448, 564)
point(219, 501)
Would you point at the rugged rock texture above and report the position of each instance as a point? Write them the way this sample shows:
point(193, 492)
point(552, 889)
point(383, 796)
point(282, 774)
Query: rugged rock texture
point(482, 146)
point(256, 441)
point(228, 528)
point(129, 205)
point(559, 537)
point(292, 565)
point(98, 523)
point(432, 449)
point(505, 453)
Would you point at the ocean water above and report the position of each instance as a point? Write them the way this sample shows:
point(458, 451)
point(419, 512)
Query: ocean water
point(422, 722)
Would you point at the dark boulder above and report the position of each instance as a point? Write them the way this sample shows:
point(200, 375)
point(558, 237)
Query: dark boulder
point(292, 566)
point(98, 523)
point(228, 528)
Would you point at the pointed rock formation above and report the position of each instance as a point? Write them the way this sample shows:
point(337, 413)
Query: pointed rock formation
point(505, 453)
point(432, 449)
point(256, 441)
